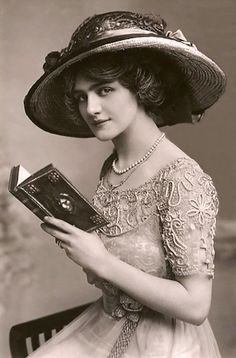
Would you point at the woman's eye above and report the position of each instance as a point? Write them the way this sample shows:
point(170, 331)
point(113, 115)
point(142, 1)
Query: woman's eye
point(104, 91)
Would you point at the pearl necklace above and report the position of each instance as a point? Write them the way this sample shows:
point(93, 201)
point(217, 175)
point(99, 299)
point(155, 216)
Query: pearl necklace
point(115, 186)
point(139, 161)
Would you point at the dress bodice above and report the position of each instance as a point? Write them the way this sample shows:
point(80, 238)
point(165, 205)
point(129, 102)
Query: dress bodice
point(165, 226)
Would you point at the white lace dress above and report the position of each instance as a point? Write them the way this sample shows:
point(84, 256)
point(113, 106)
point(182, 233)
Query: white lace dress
point(164, 227)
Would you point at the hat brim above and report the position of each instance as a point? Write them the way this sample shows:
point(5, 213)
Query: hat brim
point(44, 104)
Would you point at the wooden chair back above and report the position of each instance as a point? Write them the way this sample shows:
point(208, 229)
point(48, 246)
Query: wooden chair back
point(28, 336)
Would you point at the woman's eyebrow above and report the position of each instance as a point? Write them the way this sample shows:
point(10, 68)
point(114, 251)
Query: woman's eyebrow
point(91, 88)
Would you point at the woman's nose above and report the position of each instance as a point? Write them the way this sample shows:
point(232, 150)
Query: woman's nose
point(93, 104)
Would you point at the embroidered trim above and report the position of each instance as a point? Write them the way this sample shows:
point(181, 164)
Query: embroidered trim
point(123, 340)
point(131, 310)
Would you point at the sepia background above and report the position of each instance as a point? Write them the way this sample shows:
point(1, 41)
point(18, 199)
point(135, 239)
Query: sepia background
point(36, 278)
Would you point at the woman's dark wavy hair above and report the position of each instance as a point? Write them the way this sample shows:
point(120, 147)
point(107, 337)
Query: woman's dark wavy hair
point(153, 79)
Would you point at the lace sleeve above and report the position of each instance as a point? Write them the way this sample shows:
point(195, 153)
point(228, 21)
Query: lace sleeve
point(188, 216)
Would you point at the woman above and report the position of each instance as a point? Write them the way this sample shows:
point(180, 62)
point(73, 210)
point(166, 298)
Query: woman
point(121, 78)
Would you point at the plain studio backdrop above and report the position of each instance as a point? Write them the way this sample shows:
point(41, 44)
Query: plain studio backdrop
point(36, 277)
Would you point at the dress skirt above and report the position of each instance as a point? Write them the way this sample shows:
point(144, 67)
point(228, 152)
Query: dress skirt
point(94, 332)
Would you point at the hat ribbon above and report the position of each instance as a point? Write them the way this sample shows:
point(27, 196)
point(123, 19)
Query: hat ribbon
point(179, 36)
point(52, 58)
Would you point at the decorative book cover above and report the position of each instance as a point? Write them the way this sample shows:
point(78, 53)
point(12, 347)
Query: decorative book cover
point(49, 193)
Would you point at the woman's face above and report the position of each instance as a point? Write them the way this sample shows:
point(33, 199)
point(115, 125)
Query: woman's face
point(108, 108)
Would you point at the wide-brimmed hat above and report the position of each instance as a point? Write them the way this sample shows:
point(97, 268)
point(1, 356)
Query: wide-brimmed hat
point(118, 31)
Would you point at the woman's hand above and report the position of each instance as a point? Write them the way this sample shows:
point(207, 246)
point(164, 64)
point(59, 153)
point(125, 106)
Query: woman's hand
point(85, 249)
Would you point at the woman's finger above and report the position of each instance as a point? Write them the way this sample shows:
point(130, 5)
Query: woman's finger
point(51, 230)
point(60, 224)
point(59, 243)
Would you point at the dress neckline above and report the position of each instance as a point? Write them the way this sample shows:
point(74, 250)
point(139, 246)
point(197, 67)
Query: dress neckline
point(165, 168)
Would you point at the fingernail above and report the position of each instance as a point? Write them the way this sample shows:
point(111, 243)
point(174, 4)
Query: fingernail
point(46, 218)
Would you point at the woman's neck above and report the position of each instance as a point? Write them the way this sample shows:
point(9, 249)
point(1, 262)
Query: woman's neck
point(135, 141)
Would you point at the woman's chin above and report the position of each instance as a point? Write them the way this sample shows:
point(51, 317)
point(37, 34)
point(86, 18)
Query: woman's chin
point(104, 136)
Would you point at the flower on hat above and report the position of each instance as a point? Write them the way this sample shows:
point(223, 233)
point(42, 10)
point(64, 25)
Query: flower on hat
point(51, 61)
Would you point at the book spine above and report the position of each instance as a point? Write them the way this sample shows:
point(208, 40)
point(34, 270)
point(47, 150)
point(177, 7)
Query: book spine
point(30, 203)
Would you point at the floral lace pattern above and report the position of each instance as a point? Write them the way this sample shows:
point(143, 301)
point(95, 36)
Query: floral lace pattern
point(125, 210)
point(188, 216)
point(182, 198)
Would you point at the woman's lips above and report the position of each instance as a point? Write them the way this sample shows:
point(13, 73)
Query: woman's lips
point(100, 122)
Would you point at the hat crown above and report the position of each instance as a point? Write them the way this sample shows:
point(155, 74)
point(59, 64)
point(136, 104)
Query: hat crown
point(96, 26)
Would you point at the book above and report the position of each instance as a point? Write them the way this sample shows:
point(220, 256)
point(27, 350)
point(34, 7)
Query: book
point(48, 192)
